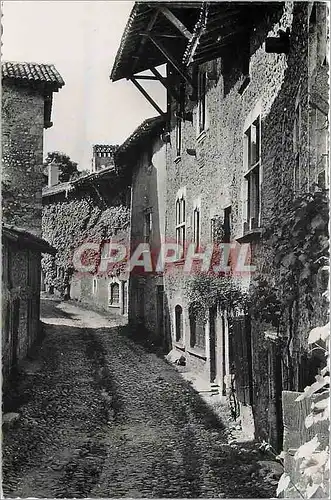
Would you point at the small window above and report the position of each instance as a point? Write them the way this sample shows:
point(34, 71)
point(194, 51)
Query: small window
point(179, 119)
point(227, 225)
point(179, 323)
point(196, 227)
point(94, 286)
point(197, 332)
point(114, 294)
point(252, 200)
point(180, 220)
point(202, 89)
point(148, 226)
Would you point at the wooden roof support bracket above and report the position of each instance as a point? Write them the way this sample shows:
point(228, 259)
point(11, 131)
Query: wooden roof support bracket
point(150, 25)
point(165, 83)
point(147, 96)
point(178, 67)
point(175, 22)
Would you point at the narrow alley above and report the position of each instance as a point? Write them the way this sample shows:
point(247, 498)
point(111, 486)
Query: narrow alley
point(101, 417)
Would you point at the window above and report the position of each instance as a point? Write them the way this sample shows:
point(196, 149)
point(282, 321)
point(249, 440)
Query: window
point(179, 119)
point(179, 323)
point(114, 294)
point(297, 146)
point(202, 88)
point(94, 286)
point(227, 225)
point(252, 202)
point(148, 226)
point(180, 220)
point(319, 157)
point(125, 297)
point(196, 227)
point(197, 332)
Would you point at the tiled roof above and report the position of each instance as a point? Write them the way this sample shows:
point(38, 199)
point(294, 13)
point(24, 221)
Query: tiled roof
point(58, 188)
point(26, 239)
point(145, 129)
point(32, 72)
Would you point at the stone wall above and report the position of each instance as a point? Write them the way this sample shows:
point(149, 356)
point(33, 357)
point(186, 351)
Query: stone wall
point(20, 304)
point(68, 223)
point(148, 197)
point(215, 175)
point(22, 155)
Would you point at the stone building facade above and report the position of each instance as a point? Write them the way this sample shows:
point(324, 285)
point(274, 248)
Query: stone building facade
point(143, 156)
point(103, 156)
point(89, 214)
point(27, 94)
point(21, 266)
point(27, 90)
point(247, 106)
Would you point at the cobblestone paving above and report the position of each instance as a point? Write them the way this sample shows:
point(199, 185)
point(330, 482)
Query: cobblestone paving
point(101, 417)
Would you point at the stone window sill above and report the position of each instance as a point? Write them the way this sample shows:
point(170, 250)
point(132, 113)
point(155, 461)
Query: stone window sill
point(197, 352)
point(253, 234)
point(179, 262)
point(180, 346)
point(116, 306)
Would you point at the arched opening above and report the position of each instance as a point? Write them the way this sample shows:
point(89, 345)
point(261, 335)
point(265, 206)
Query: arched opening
point(114, 294)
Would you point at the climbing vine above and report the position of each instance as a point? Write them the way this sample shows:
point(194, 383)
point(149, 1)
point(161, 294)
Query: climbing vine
point(204, 292)
point(68, 224)
point(298, 248)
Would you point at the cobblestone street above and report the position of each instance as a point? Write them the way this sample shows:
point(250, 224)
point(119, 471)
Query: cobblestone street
point(102, 417)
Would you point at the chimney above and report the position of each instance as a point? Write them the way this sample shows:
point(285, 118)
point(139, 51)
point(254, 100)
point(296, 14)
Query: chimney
point(53, 174)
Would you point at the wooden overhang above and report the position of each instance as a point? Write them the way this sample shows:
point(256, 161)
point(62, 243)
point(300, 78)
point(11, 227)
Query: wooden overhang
point(157, 33)
point(181, 34)
point(26, 240)
point(221, 25)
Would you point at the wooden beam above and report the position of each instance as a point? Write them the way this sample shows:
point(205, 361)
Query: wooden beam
point(143, 41)
point(175, 22)
point(165, 83)
point(178, 67)
point(145, 77)
point(147, 96)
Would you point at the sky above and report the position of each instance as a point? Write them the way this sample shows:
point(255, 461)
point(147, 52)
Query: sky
point(81, 39)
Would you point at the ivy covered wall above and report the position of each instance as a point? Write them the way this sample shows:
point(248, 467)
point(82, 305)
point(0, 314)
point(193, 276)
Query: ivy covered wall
point(68, 222)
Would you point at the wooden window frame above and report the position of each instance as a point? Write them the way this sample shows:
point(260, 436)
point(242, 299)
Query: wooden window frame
point(111, 287)
point(180, 213)
point(252, 177)
point(197, 225)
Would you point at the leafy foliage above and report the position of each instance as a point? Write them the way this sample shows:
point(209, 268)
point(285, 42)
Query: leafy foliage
point(68, 224)
point(312, 458)
point(68, 168)
point(298, 249)
point(205, 292)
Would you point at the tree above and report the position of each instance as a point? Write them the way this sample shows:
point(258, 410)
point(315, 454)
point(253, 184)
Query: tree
point(67, 168)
